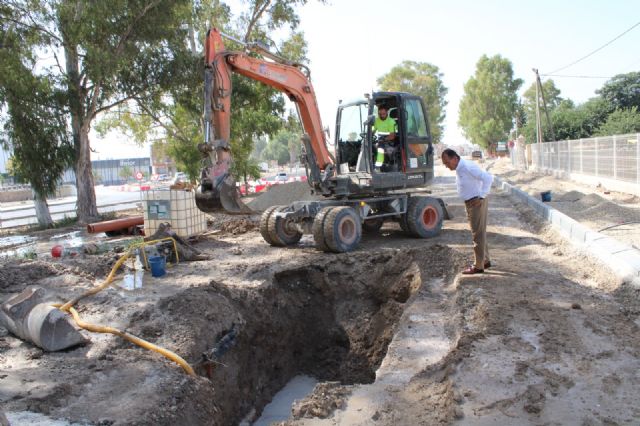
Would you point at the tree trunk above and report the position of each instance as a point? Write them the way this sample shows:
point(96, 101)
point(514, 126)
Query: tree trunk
point(86, 204)
point(80, 121)
point(42, 210)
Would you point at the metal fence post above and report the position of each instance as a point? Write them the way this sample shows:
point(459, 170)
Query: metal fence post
point(615, 158)
point(569, 157)
point(638, 158)
point(581, 172)
point(596, 158)
point(558, 149)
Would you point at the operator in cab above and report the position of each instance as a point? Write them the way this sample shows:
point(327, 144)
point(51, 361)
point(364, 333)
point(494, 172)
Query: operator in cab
point(386, 128)
point(385, 124)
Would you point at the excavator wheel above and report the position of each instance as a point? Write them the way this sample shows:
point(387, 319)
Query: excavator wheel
point(279, 231)
point(342, 229)
point(264, 225)
point(372, 225)
point(424, 217)
point(318, 229)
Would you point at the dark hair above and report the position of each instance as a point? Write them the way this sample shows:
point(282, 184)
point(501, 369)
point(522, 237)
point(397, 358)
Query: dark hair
point(383, 106)
point(450, 153)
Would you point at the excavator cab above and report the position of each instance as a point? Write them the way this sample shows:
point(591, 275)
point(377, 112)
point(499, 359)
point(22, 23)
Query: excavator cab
point(407, 162)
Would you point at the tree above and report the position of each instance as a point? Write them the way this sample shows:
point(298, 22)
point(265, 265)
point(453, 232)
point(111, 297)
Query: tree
point(125, 173)
point(176, 108)
point(572, 122)
point(489, 102)
point(105, 53)
point(619, 122)
point(425, 80)
point(277, 148)
point(33, 128)
point(622, 91)
point(551, 95)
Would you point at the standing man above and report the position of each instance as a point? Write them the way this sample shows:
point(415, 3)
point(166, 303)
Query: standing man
point(473, 185)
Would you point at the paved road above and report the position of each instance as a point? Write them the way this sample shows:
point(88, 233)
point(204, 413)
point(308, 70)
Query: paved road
point(107, 198)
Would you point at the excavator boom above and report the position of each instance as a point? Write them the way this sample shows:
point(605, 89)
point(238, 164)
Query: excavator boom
point(218, 188)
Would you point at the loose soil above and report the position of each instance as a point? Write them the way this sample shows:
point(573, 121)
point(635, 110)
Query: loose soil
point(392, 332)
point(616, 214)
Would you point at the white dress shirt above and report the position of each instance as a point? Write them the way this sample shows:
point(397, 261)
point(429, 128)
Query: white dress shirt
point(472, 181)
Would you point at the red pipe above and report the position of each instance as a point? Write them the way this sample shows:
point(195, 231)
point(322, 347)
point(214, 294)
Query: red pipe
point(115, 225)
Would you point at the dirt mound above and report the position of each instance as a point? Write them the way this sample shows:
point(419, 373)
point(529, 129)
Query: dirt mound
point(283, 194)
point(324, 400)
point(16, 273)
point(569, 197)
point(238, 226)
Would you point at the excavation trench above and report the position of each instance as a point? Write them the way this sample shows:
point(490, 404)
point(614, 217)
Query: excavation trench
point(332, 321)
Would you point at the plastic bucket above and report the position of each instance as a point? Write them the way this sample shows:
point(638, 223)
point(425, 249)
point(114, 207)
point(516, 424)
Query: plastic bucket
point(546, 196)
point(157, 265)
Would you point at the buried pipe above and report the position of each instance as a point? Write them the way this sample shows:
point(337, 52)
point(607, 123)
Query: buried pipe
point(115, 225)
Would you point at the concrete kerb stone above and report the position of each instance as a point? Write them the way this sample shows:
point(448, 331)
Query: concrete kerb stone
point(621, 258)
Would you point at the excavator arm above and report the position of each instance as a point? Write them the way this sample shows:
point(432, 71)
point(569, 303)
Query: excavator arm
point(218, 190)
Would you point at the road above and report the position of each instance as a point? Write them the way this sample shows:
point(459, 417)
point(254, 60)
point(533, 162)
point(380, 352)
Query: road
point(108, 198)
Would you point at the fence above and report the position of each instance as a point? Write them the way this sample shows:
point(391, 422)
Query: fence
point(611, 158)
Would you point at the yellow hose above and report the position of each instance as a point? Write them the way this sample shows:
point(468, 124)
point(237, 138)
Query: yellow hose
point(68, 307)
point(133, 339)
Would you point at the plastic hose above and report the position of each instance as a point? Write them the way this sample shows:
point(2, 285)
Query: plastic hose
point(68, 307)
point(133, 339)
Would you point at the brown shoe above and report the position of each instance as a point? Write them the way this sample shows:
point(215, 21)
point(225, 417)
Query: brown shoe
point(487, 264)
point(472, 270)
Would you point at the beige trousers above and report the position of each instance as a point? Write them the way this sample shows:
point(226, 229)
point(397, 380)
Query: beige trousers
point(478, 220)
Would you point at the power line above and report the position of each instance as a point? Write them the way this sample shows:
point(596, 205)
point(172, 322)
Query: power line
point(574, 76)
point(597, 50)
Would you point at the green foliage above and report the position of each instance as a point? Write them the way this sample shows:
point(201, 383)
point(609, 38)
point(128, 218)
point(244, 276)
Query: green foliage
point(65, 222)
point(622, 91)
point(425, 80)
point(621, 121)
point(175, 105)
point(280, 146)
point(571, 122)
point(489, 102)
point(551, 96)
point(105, 53)
point(125, 172)
point(34, 127)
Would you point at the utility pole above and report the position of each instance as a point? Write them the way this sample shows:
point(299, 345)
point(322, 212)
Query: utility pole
point(538, 123)
point(544, 105)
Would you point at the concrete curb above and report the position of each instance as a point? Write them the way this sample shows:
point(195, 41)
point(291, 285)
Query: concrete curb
point(621, 258)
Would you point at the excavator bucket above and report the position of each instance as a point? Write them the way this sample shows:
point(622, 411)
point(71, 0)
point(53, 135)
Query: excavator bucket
point(217, 192)
point(223, 198)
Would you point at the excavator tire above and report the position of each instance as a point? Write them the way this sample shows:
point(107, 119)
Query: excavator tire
point(372, 226)
point(342, 229)
point(279, 232)
point(264, 225)
point(318, 229)
point(424, 217)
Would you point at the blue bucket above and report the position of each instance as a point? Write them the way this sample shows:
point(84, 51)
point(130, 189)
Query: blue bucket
point(157, 265)
point(546, 196)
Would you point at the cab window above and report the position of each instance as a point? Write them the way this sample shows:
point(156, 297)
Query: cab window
point(417, 134)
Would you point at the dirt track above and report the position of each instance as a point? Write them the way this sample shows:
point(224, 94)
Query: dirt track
point(546, 336)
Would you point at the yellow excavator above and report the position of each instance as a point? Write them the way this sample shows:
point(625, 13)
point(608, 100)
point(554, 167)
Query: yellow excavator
point(363, 184)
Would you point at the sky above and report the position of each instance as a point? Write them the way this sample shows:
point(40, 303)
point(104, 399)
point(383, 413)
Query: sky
point(352, 43)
